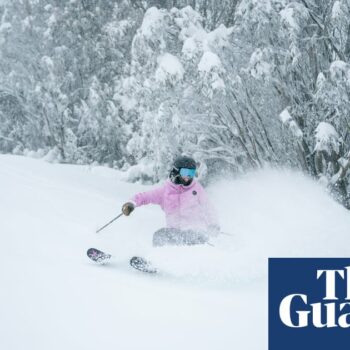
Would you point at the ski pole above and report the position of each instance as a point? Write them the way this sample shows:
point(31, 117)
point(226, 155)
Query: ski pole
point(100, 229)
point(225, 233)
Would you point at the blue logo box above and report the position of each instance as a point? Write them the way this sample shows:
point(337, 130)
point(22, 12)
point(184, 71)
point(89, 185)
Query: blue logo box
point(309, 303)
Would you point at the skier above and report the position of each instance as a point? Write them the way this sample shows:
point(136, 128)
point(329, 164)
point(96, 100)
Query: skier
point(190, 217)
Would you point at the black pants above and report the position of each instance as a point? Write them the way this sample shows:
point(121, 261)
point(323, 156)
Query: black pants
point(173, 236)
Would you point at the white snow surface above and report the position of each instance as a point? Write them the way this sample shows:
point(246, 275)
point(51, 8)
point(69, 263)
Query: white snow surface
point(206, 297)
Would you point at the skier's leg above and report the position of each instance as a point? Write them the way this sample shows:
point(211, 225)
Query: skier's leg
point(190, 237)
point(173, 236)
point(165, 236)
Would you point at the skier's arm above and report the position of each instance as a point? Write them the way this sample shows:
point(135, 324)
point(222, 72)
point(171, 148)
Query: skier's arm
point(150, 197)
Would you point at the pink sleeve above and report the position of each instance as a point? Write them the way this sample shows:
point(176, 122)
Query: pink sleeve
point(150, 197)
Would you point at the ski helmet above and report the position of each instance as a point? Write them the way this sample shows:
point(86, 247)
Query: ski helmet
point(181, 162)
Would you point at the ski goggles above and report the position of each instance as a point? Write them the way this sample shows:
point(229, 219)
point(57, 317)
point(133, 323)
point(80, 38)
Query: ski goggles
point(185, 172)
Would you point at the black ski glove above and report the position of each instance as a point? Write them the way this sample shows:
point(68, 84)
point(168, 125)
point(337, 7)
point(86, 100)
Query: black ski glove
point(127, 208)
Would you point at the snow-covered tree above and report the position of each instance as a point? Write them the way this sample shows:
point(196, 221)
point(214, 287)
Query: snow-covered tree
point(134, 83)
point(59, 62)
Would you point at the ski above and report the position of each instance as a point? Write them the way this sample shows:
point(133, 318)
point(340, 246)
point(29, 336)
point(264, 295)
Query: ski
point(136, 262)
point(98, 256)
point(142, 265)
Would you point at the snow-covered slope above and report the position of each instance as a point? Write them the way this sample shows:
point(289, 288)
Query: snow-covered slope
point(53, 297)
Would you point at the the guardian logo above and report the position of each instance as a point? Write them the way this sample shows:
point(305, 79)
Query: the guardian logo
point(315, 310)
point(309, 303)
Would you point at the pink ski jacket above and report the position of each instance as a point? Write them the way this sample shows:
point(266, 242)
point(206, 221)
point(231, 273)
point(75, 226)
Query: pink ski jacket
point(185, 207)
